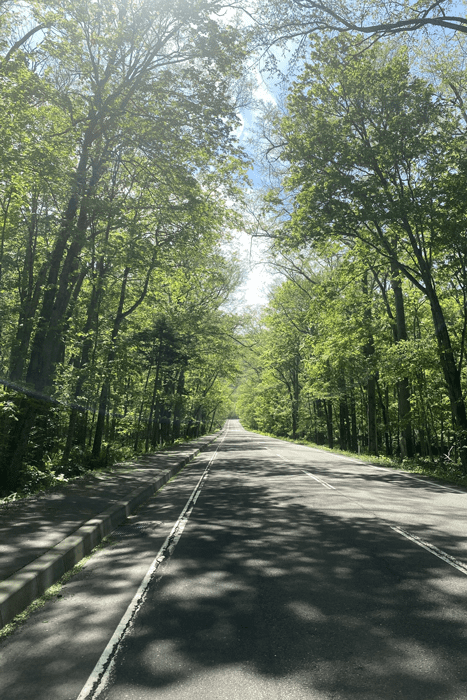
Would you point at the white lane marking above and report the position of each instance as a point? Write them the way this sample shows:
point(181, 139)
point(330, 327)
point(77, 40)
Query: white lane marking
point(324, 483)
point(305, 448)
point(398, 472)
point(444, 556)
point(100, 675)
point(433, 483)
point(433, 550)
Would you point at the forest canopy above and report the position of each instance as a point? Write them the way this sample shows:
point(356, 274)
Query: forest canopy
point(123, 180)
point(118, 171)
point(367, 220)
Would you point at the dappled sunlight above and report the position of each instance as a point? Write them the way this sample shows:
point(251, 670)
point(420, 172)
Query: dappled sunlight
point(324, 602)
point(278, 588)
point(30, 527)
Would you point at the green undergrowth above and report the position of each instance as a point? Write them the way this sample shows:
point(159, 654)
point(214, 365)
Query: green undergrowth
point(41, 482)
point(53, 592)
point(440, 469)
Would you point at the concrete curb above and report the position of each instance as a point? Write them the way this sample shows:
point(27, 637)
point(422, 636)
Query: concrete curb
point(22, 588)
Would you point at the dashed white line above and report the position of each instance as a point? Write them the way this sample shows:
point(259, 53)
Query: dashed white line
point(324, 483)
point(444, 556)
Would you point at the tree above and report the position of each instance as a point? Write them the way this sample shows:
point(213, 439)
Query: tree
point(283, 23)
point(375, 157)
point(134, 103)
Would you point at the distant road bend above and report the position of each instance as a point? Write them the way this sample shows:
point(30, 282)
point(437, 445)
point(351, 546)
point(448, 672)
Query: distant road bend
point(286, 573)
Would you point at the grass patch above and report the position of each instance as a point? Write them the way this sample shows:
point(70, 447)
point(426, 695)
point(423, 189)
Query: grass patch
point(440, 469)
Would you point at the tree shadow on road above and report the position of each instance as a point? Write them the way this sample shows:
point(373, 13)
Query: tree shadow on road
point(283, 587)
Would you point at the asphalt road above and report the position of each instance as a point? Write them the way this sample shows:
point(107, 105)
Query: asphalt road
point(298, 574)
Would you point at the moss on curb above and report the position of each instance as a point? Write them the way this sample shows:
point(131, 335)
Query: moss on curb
point(51, 592)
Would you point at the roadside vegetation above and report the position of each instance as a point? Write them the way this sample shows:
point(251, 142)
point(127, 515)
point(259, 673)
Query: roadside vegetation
point(121, 183)
point(118, 179)
point(362, 345)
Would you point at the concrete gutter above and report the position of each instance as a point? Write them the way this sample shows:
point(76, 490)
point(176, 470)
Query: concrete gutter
point(23, 587)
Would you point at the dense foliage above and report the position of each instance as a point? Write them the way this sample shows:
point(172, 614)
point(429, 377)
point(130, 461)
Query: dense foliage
point(375, 307)
point(117, 160)
point(119, 177)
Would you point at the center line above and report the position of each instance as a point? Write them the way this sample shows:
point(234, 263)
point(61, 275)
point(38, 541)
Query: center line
point(328, 486)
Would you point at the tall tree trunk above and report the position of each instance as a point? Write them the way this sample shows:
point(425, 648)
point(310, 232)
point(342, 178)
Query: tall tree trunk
point(178, 405)
point(105, 389)
point(451, 377)
point(403, 385)
point(342, 424)
point(78, 418)
point(383, 402)
point(28, 311)
point(61, 279)
point(353, 419)
point(140, 412)
point(371, 416)
point(154, 409)
point(451, 373)
point(294, 391)
point(369, 351)
point(327, 403)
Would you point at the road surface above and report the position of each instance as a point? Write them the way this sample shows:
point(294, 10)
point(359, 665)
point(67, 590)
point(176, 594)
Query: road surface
point(292, 574)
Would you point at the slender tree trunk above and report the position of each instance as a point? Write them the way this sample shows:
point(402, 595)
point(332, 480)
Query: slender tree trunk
point(213, 417)
point(101, 418)
point(5, 208)
point(342, 425)
point(140, 413)
point(403, 385)
point(154, 411)
point(178, 402)
point(353, 418)
point(20, 345)
point(327, 403)
point(320, 436)
point(385, 413)
point(369, 351)
point(105, 390)
point(452, 378)
point(371, 416)
point(296, 395)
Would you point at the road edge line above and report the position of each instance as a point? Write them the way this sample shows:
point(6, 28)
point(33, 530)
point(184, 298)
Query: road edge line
point(444, 556)
point(99, 676)
point(29, 583)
